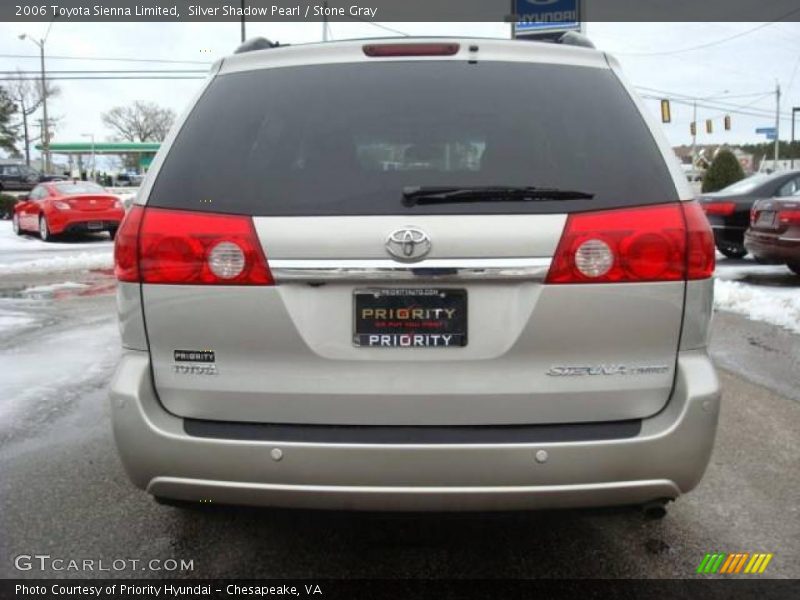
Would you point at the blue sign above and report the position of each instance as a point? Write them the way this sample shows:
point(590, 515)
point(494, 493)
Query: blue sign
point(771, 135)
point(546, 15)
point(766, 130)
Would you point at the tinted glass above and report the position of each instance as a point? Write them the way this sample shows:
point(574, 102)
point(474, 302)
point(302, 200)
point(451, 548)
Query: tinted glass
point(747, 185)
point(346, 139)
point(69, 188)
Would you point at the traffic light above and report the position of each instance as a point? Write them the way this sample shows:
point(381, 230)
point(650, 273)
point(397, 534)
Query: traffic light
point(666, 114)
point(709, 126)
point(727, 122)
point(693, 128)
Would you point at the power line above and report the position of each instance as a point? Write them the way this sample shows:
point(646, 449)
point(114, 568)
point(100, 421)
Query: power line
point(100, 72)
point(762, 113)
point(86, 78)
point(690, 97)
point(714, 43)
point(108, 58)
point(378, 25)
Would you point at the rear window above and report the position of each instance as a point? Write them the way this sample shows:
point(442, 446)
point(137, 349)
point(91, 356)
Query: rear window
point(78, 187)
point(346, 139)
point(746, 185)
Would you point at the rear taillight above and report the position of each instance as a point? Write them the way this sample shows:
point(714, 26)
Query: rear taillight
point(789, 217)
point(723, 209)
point(126, 245)
point(700, 249)
point(430, 49)
point(177, 247)
point(668, 242)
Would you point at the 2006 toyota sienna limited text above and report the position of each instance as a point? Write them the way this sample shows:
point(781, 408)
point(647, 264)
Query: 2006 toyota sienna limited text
point(428, 274)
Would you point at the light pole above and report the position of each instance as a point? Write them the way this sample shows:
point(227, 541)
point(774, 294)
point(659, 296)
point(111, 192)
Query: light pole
point(796, 109)
point(46, 131)
point(94, 169)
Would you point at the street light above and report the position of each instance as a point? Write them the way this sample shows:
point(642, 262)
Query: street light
point(94, 170)
point(46, 130)
point(796, 109)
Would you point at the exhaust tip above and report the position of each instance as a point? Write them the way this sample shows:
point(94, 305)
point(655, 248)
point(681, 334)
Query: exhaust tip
point(655, 510)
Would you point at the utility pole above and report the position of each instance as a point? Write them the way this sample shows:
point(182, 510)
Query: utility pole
point(46, 127)
point(243, 34)
point(46, 134)
point(694, 135)
point(325, 21)
point(796, 109)
point(777, 120)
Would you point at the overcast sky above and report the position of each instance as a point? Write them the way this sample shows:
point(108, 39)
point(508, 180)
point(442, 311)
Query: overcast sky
point(659, 56)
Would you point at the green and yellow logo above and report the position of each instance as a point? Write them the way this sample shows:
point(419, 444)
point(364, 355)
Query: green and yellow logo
point(735, 563)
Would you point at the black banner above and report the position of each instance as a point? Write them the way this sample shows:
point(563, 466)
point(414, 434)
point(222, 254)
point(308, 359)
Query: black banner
point(108, 589)
point(391, 10)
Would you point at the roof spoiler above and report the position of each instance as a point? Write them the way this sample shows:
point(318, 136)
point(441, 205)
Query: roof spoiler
point(572, 38)
point(257, 43)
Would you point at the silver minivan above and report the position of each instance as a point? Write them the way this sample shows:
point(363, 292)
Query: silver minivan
point(415, 274)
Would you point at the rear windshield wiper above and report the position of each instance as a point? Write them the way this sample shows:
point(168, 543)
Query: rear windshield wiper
point(414, 195)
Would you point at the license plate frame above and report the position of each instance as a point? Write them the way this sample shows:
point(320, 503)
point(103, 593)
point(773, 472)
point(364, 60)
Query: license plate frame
point(94, 225)
point(399, 326)
point(766, 219)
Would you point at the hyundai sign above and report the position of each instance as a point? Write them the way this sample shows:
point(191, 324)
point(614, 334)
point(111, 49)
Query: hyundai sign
point(532, 17)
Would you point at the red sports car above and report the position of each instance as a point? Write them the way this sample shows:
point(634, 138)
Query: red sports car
point(67, 207)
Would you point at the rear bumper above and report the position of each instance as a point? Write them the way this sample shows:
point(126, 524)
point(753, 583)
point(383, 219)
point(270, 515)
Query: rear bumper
point(78, 222)
point(775, 247)
point(666, 458)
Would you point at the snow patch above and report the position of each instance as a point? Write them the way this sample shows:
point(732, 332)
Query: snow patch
point(43, 289)
point(53, 264)
point(9, 321)
point(779, 307)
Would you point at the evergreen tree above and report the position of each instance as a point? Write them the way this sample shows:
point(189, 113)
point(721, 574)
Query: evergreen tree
point(724, 171)
point(8, 135)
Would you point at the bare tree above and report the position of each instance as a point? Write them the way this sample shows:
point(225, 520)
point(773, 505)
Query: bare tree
point(27, 95)
point(140, 122)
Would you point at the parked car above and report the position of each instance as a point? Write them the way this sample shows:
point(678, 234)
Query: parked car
point(129, 179)
point(18, 177)
point(728, 210)
point(67, 207)
point(493, 329)
point(774, 233)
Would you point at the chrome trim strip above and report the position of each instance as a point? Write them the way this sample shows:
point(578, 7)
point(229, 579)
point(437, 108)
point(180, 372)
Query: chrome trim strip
point(440, 269)
point(788, 239)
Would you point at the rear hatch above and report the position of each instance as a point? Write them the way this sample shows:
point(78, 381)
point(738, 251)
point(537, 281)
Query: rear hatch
point(317, 157)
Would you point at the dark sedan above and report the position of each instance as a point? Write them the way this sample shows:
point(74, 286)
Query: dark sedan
point(728, 210)
point(20, 177)
point(774, 234)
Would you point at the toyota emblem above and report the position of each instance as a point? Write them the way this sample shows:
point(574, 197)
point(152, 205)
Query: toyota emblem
point(408, 244)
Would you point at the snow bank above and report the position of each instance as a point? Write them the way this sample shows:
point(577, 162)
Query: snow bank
point(777, 306)
point(70, 262)
point(53, 287)
point(10, 321)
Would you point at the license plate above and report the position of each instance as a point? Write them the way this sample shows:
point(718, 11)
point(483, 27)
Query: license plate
point(410, 318)
point(94, 225)
point(766, 218)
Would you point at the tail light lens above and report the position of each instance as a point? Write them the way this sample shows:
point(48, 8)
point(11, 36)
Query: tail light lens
point(700, 250)
point(789, 217)
point(126, 246)
point(669, 242)
point(723, 209)
point(177, 247)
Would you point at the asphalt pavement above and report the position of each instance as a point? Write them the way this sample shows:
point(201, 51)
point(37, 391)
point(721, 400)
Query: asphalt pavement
point(63, 491)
